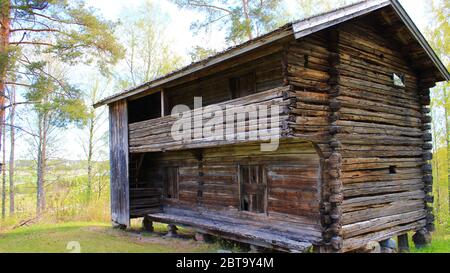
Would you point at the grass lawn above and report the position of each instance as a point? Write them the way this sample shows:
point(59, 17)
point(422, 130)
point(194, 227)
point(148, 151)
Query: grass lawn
point(95, 238)
point(101, 238)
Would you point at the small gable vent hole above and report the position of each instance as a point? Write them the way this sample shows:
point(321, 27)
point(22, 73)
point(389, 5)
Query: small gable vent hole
point(392, 169)
point(399, 80)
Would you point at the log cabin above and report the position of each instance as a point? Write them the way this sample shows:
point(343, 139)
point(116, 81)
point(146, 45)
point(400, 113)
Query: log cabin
point(348, 95)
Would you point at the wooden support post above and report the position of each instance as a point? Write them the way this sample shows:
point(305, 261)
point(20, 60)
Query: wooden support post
point(147, 224)
point(388, 246)
point(422, 238)
point(256, 249)
point(202, 237)
point(163, 104)
point(116, 225)
point(172, 231)
point(403, 243)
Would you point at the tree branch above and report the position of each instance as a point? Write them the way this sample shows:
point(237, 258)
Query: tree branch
point(61, 84)
point(55, 19)
point(21, 103)
point(35, 30)
point(204, 5)
point(18, 84)
point(31, 43)
point(21, 129)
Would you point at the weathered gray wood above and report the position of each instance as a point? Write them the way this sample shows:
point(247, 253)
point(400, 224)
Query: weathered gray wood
point(236, 231)
point(371, 247)
point(147, 224)
point(422, 238)
point(403, 243)
point(171, 230)
point(118, 129)
point(334, 89)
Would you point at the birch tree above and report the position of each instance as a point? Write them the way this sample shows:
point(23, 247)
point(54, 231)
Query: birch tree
point(149, 54)
point(92, 139)
point(438, 33)
point(56, 106)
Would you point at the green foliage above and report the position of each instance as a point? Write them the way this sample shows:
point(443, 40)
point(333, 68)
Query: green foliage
point(440, 30)
point(55, 96)
point(68, 30)
point(149, 54)
point(438, 33)
point(66, 192)
point(242, 19)
point(309, 8)
point(200, 53)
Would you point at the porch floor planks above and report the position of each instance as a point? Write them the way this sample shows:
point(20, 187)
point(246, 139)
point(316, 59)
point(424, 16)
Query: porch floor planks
point(235, 229)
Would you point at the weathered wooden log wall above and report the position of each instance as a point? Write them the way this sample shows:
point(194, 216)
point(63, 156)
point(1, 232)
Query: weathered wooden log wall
point(381, 138)
point(145, 190)
point(374, 135)
point(155, 135)
point(335, 89)
point(208, 179)
point(306, 70)
point(215, 89)
point(311, 71)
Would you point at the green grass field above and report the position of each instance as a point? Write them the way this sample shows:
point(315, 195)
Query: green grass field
point(101, 238)
point(95, 238)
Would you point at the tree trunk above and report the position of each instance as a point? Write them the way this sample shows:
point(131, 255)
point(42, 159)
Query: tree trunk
point(12, 152)
point(41, 164)
point(3, 170)
point(5, 10)
point(447, 141)
point(437, 173)
point(90, 155)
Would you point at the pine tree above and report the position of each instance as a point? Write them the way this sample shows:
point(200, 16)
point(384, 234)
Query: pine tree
point(67, 30)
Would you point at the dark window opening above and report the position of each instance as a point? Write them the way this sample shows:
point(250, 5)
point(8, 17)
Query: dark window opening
point(146, 108)
point(399, 80)
point(200, 194)
point(171, 178)
point(243, 86)
point(392, 169)
point(253, 184)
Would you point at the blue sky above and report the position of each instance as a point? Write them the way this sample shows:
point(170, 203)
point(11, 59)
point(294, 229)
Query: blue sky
point(183, 42)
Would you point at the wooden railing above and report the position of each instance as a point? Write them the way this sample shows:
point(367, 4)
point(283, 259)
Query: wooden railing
point(156, 135)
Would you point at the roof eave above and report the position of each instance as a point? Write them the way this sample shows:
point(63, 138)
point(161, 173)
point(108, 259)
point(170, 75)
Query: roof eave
point(420, 38)
point(227, 56)
point(306, 27)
